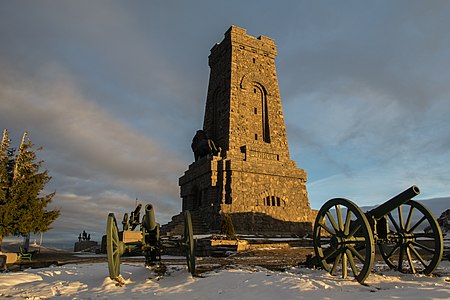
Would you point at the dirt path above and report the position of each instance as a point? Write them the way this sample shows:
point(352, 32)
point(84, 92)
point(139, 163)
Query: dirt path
point(268, 258)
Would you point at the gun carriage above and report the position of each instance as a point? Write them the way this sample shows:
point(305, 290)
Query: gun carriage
point(405, 232)
point(146, 241)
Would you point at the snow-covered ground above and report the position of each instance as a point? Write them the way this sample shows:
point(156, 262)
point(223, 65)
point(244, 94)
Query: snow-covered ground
point(90, 281)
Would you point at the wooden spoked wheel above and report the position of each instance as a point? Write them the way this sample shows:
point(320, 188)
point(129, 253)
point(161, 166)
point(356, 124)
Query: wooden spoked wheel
point(114, 247)
point(343, 239)
point(414, 241)
point(189, 242)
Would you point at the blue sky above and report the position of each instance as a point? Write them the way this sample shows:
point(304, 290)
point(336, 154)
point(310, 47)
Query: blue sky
point(114, 91)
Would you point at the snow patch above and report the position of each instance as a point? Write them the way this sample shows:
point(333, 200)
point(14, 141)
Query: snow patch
point(89, 281)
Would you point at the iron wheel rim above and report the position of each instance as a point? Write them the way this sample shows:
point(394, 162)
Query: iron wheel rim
point(113, 247)
point(344, 242)
point(189, 242)
point(414, 248)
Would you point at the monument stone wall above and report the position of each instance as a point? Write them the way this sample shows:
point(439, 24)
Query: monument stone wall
point(251, 177)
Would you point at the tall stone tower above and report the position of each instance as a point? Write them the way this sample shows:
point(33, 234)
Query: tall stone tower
point(250, 176)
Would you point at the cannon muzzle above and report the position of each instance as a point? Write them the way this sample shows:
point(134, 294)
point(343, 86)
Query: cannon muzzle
point(149, 221)
point(383, 209)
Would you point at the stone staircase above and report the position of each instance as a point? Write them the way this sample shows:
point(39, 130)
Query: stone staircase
point(222, 250)
point(176, 225)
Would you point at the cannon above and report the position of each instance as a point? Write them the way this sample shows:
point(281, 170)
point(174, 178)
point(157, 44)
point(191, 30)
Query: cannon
point(405, 232)
point(146, 241)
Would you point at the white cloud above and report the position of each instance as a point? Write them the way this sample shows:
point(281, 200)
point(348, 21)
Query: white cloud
point(98, 162)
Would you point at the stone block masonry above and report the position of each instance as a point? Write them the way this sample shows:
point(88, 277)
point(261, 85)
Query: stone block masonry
point(252, 178)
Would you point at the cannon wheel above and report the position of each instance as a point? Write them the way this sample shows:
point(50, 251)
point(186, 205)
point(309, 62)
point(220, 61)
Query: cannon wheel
point(189, 242)
point(342, 237)
point(114, 247)
point(409, 240)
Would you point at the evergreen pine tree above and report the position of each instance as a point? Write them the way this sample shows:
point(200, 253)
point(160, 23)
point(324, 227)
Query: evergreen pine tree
point(29, 206)
point(6, 166)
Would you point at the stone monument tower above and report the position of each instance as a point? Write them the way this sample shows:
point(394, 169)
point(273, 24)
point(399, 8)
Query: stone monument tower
point(242, 164)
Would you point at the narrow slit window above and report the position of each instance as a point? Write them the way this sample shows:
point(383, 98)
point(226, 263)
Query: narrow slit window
point(273, 201)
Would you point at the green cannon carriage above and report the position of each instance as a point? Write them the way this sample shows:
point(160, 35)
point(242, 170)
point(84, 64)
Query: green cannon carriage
point(408, 236)
point(146, 240)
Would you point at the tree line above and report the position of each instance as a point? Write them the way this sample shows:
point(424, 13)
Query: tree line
point(22, 205)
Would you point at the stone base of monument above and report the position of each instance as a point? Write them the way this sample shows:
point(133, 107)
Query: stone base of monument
point(217, 246)
point(85, 245)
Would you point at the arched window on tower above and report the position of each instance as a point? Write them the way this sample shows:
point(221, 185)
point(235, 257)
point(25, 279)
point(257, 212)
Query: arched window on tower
point(265, 120)
point(261, 112)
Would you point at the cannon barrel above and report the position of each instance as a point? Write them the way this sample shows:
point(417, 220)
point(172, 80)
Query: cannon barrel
point(149, 218)
point(138, 209)
point(383, 209)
